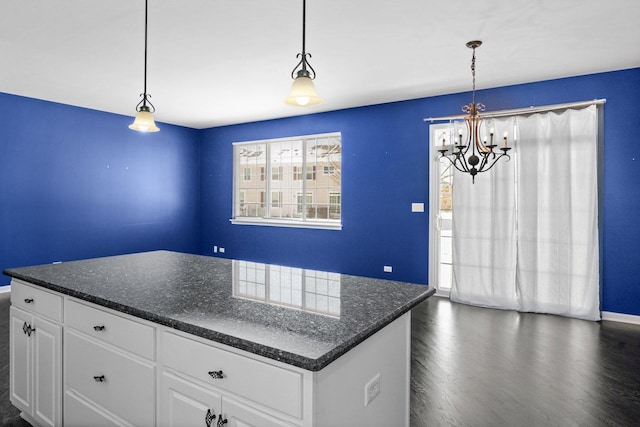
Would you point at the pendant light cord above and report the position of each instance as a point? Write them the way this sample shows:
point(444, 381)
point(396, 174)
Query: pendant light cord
point(146, 19)
point(304, 25)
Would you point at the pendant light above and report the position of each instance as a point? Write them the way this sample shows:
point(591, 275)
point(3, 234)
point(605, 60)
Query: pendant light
point(144, 118)
point(303, 93)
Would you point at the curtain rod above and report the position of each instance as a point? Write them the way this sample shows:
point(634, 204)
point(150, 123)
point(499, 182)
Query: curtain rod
point(522, 111)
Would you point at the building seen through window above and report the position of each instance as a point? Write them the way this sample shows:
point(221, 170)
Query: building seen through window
point(293, 179)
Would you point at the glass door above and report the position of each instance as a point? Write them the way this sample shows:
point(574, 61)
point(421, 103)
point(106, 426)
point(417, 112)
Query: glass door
point(440, 211)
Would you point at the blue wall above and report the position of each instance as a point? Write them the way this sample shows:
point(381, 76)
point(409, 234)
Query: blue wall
point(77, 183)
point(385, 169)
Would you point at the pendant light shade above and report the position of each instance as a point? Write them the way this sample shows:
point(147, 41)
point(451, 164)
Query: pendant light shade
point(144, 118)
point(303, 92)
point(144, 121)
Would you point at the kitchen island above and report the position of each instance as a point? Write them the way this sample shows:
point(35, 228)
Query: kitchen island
point(164, 338)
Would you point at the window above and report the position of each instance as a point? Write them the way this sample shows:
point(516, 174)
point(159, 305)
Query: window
point(276, 173)
point(311, 173)
point(276, 196)
point(290, 191)
point(300, 203)
point(334, 205)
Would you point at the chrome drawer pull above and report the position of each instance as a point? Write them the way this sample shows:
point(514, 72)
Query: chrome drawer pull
point(98, 328)
point(28, 300)
point(216, 375)
point(209, 417)
point(221, 422)
point(99, 378)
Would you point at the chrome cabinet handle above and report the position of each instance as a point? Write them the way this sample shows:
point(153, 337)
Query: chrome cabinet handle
point(221, 422)
point(98, 328)
point(209, 417)
point(99, 378)
point(216, 375)
point(28, 300)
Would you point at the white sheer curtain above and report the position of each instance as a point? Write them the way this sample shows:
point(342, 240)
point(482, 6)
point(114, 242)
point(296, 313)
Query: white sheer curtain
point(484, 234)
point(558, 259)
point(539, 251)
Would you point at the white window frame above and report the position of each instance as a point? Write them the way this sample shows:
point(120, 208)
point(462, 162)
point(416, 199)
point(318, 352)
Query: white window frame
point(328, 223)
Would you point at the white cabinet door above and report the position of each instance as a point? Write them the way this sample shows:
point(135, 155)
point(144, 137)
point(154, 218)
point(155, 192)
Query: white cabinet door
point(47, 364)
point(239, 415)
point(35, 377)
point(185, 404)
point(21, 371)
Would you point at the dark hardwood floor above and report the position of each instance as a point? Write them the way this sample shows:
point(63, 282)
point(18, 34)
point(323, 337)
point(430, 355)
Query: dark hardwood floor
point(481, 367)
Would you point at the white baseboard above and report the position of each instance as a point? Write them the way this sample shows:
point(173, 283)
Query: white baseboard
point(4, 289)
point(620, 317)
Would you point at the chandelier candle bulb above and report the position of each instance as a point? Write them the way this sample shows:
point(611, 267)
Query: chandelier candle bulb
point(505, 139)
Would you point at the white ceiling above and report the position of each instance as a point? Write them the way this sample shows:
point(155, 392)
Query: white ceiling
point(219, 62)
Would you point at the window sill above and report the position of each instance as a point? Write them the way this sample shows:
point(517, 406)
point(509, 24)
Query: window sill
point(322, 225)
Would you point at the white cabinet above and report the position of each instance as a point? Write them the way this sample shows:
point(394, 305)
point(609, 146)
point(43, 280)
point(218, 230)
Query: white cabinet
point(184, 404)
point(36, 355)
point(200, 378)
point(187, 404)
point(106, 381)
point(265, 383)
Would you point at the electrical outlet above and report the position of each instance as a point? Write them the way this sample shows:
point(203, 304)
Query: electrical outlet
point(215, 249)
point(388, 269)
point(417, 207)
point(221, 250)
point(371, 389)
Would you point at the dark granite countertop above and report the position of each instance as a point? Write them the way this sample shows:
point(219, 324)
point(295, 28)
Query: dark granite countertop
point(304, 318)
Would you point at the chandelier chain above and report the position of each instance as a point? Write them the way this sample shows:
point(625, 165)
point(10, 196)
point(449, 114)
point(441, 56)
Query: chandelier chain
point(473, 74)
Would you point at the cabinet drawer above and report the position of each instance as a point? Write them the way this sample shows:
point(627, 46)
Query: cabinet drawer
point(270, 385)
point(36, 300)
point(80, 413)
point(127, 334)
point(128, 384)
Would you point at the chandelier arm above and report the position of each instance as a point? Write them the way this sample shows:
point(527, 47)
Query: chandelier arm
point(483, 163)
point(463, 163)
point(454, 163)
point(499, 156)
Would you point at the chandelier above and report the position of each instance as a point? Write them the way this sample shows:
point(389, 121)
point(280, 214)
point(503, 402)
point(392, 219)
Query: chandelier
point(474, 154)
point(303, 93)
point(144, 118)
